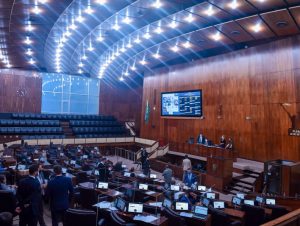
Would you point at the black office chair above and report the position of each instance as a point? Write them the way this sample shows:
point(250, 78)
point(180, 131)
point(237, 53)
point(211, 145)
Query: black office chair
point(8, 202)
point(88, 197)
point(219, 218)
point(81, 177)
point(173, 217)
point(254, 215)
point(79, 217)
point(115, 220)
point(6, 219)
point(151, 209)
point(277, 211)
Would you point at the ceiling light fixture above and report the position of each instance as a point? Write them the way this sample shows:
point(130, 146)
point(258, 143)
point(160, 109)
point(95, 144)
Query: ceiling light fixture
point(28, 41)
point(210, 11)
point(89, 10)
point(187, 45)
point(156, 56)
point(157, 4)
point(158, 30)
point(173, 25)
point(217, 36)
point(36, 10)
point(257, 27)
point(175, 49)
point(189, 18)
point(147, 36)
point(234, 4)
point(127, 20)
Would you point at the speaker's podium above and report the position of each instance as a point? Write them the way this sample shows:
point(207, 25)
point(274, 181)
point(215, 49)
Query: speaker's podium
point(219, 172)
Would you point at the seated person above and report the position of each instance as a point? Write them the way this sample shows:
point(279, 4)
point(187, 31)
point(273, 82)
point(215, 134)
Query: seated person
point(190, 178)
point(4, 186)
point(229, 144)
point(222, 142)
point(118, 167)
point(189, 198)
point(191, 140)
point(201, 139)
point(131, 171)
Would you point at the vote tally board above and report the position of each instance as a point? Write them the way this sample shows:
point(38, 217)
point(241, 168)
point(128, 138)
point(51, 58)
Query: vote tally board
point(294, 132)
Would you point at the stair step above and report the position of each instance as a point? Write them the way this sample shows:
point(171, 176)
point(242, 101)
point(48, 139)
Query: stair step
point(241, 189)
point(240, 184)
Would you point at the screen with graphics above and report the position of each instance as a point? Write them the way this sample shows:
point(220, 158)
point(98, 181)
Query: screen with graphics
point(182, 103)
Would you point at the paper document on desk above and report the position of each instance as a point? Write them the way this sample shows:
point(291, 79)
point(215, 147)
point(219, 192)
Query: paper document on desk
point(103, 205)
point(150, 192)
point(146, 219)
point(156, 204)
point(184, 214)
point(177, 194)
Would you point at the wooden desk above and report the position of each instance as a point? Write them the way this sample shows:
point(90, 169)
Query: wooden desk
point(235, 213)
point(161, 221)
point(9, 161)
point(109, 192)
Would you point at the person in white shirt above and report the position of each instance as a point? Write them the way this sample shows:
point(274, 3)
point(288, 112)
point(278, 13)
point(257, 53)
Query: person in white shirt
point(186, 164)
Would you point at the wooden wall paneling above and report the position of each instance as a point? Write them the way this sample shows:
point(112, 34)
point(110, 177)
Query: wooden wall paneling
point(249, 86)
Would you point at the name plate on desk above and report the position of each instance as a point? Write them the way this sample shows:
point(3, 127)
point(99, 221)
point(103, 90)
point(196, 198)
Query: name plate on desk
point(294, 132)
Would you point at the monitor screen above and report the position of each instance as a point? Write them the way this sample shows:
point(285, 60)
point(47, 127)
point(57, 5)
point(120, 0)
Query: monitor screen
point(182, 103)
point(102, 185)
point(249, 202)
point(126, 174)
point(210, 195)
point(64, 170)
point(219, 205)
point(259, 199)
point(120, 204)
point(135, 208)
point(175, 187)
point(72, 162)
point(167, 203)
point(153, 176)
point(240, 195)
point(236, 200)
point(270, 202)
point(143, 187)
point(96, 172)
point(201, 188)
point(201, 210)
point(85, 157)
point(182, 206)
point(206, 202)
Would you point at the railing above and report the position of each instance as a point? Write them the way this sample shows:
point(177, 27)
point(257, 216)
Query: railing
point(130, 126)
point(127, 154)
point(160, 151)
point(290, 219)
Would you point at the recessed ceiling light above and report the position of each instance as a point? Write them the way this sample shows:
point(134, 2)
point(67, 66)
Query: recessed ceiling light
point(31, 61)
point(210, 11)
point(127, 20)
point(173, 24)
point(257, 27)
point(143, 62)
point(29, 28)
point(80, 19)
point(121, 79)
point(73, 26)
point(116, 27)
point(137, 40)
point(90, 48)
point(187, 45)
point(281, 24)
point(100, 38)
point(217, 36)
point(175, 48)
point(156, 56)
point(28, 41)
point(80, 71)
point(89, 10)
point(129, 45)
point(234, 4)
point(101, 2)
point(43, 1)
point(80, 64)
point(147, 36)
point(29, 52)
point(133, 68)
point(189, 18)
point(157, 4)
point(126, 73)
point(36, 10)
point(84, 57)
point(158, 30)
point(123, 49)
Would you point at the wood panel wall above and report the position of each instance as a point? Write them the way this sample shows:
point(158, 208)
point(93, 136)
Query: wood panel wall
point(11, 84)
point(122, 102)
point(242, 96)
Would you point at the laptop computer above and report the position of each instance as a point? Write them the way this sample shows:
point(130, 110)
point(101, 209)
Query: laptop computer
point(201, 188)
point(85, 157)
point(219, 204)
point(175, 187)
point(143, 187)
point(96, 172)
point(135, 208)
point(153, 176)
point(259, 199)
point(200, 212)
point(249, 202)
point(127, 174)
point(167, 203)
point(102, 185)
point(206, 202)
point(240, 195)
point(236, 201)
point(181, 206)
point(211, 195)
point(120, 204)
point(270, 202)
point(72, 162)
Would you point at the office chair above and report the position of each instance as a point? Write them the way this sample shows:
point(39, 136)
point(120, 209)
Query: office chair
point(115, 220)
point(173, 217)
point(88, 197)
point(254, 215)
point(6, 219)
point(277, 211)
point(81, 177)
point(219, 218)
point(8, 202)
point(78, 217)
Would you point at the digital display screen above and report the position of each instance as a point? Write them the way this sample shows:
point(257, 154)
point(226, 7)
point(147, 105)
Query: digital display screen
point(206, 202)
point(182, 206)
point(270, 201)
point(236, 200)
point(219, 205)
point(201, 210)
point(72, 162)
point(120, 204)
point(210, 195)
point(175, 187)
point(102, 185)
point(259, 199)
point(167, 203)
point(249, 202)
point(153, 176)
point(135, 208)
point(143, 186)
point(182, 104)
point(201, 188)
point(126, 174)
point(240, 195)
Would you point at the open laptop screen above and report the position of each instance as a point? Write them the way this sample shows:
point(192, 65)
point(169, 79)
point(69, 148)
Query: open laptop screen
point(135, 208)
point(182, 206)
point(175, 187)
point(143, 187)
point(201, 210)
point(102, 185)
point(270, 202)
point(219, 205)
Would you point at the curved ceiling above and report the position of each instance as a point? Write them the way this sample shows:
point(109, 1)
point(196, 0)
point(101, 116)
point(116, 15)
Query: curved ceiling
point(116, 39)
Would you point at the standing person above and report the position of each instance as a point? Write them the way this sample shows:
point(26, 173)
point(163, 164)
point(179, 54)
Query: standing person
point(146, 168)
point(59, 191)
point(30, 198)
point(186, 164)
point(43, 183)
point(222, 142)
point(167, 174)
point(144, 156)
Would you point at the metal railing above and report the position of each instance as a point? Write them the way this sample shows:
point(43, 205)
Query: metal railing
point(126, 154)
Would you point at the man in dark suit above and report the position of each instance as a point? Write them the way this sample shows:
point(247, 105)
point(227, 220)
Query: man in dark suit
point(201, 139)
point(190, 178)
point(59, 191)
point(30, 198)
